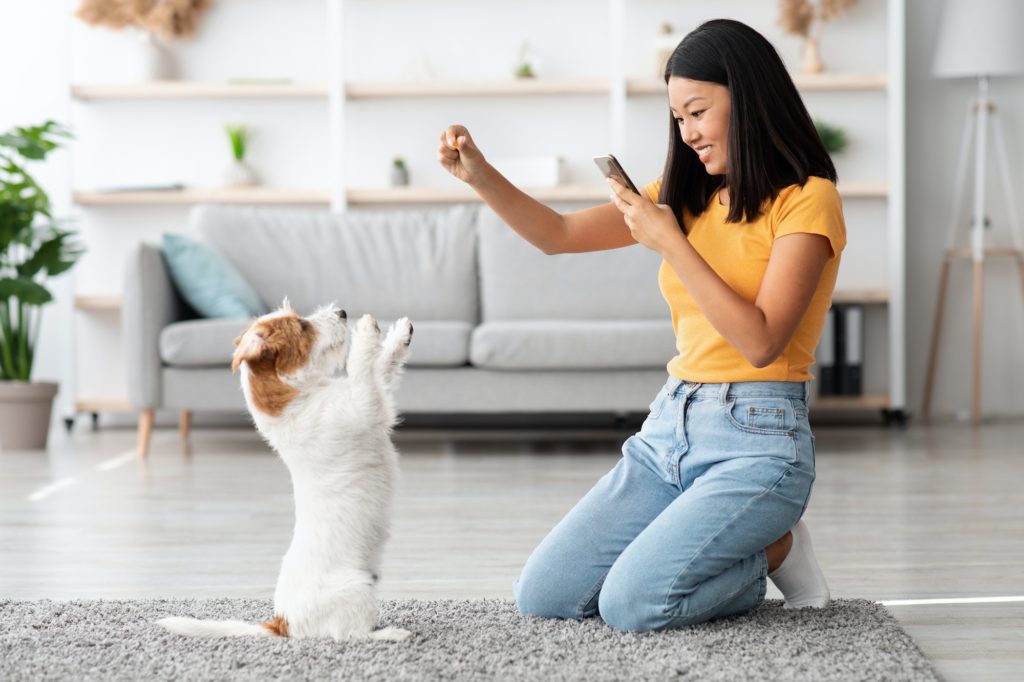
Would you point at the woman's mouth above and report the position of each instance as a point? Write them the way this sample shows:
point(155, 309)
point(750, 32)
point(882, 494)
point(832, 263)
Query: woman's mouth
point(703, 153)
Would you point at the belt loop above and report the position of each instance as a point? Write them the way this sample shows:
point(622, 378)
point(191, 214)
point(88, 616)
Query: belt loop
point(723, 395)
point(807, 391)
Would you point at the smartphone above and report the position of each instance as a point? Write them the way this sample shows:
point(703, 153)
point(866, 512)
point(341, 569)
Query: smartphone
point(611, 168)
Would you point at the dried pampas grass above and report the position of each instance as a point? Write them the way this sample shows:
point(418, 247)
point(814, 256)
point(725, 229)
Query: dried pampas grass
point(170, 19)
point(798, 16)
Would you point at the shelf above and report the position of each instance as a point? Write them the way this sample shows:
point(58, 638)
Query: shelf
point(442, 195)
point(375, 196)
point(826, 81)
point(497, 88)
point(197, 90)
point(108, 404)
point(251, 195)
point(851, 402)
point(846, 296)
point(110, 303)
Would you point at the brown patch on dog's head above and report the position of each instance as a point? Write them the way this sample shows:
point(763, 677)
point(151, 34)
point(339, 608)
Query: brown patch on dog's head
point(273, 345)
point(277, 627)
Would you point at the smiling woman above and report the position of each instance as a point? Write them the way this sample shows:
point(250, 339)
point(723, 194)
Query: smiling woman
point(705, 504)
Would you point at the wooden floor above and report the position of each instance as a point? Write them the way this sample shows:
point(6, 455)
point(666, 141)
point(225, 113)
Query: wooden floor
point(926, 513)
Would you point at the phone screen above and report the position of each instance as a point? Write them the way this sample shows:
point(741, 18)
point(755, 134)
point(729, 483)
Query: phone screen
point(611, 168)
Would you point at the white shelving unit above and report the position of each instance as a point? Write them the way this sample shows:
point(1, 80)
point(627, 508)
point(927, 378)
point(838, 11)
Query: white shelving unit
point(616, 88)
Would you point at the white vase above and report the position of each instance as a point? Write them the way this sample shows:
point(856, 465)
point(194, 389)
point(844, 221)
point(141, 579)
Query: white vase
point(240, 174)
point(811, 63)
point(155, 60)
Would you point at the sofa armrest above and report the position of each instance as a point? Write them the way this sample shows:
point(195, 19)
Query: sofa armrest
point(150, 303)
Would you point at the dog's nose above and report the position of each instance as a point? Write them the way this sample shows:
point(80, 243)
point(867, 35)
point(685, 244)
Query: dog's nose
point(342, 314)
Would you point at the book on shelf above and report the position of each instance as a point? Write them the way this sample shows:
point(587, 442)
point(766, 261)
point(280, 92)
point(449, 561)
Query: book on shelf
point(840, 352)
point(157, 187)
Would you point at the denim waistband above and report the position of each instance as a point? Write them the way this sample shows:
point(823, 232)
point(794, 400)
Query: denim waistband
point(738, 389)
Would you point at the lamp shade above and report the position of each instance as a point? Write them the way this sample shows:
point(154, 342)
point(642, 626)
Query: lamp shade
point(980, 38)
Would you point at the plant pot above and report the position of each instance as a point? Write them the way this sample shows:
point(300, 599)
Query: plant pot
point(811, 63)
point(25, 409)
point(240, 174)
point(399, 176)
point(155, 60)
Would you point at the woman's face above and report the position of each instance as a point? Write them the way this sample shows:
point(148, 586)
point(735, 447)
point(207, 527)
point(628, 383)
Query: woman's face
point(701, 110)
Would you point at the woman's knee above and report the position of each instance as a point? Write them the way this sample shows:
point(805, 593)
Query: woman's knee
point(546, 596)
point(625, 604)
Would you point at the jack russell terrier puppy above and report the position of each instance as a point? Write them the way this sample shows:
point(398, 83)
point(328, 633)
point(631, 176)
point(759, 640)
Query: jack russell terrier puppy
point(334, 434)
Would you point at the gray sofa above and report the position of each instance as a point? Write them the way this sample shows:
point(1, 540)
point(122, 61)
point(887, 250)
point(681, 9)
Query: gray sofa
point(501, 328)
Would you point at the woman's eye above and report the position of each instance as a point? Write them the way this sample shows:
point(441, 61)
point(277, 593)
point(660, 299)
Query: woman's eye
point(696, 114)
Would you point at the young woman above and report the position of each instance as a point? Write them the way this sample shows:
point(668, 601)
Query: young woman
point(705, 504)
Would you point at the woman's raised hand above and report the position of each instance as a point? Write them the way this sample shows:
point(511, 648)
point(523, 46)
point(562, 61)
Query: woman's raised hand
point(459, 155)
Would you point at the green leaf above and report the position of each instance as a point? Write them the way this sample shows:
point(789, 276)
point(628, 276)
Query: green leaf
point(24, 290)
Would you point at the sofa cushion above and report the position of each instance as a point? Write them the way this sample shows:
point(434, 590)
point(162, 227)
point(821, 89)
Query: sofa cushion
point(206, 343)
point(207, 280)
point(572, 344)
point(520, 282)
point(417, 263)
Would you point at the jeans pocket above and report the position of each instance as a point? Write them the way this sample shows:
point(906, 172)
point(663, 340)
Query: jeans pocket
point(767, 416)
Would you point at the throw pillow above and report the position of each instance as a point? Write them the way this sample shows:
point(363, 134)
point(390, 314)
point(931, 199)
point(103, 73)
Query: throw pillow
point(207, 281)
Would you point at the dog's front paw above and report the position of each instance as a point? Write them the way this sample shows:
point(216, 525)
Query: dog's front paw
point(402, 332)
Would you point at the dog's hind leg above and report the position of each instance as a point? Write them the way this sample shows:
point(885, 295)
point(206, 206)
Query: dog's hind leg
point(395, 352)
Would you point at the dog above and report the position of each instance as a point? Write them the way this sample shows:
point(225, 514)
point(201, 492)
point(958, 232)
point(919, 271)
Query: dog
point(334, 434)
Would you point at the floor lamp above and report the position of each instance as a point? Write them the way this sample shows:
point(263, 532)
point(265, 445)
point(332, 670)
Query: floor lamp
point(978, 39)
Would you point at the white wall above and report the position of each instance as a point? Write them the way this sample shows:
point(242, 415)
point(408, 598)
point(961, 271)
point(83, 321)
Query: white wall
point(153, 142)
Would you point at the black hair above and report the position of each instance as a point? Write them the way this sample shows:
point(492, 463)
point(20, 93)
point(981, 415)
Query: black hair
point(772, 140)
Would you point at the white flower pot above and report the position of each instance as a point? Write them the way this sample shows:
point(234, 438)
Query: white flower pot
point(155, 61)
point(240, 174)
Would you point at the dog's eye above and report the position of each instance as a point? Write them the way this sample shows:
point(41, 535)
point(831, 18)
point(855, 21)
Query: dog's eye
point(305, 324)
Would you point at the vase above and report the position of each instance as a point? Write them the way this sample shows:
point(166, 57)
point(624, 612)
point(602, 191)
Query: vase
point(155, 60)
point(25, 409)
point(240, 174)
point(811, 63)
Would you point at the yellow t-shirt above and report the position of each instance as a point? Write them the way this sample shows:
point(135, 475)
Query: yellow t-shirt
point(739, 253)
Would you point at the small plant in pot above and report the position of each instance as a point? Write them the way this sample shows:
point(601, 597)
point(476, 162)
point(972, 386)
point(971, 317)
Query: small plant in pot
point(239, 173)
point(33, 248)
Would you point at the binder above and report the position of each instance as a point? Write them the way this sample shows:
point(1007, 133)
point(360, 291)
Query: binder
point(853, 350)
point(826, 355)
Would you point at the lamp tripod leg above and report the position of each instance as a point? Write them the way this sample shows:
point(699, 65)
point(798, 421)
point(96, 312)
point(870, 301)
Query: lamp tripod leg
point(933, 350)
point(979, 282)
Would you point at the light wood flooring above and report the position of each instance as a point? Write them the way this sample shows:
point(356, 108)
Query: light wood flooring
point(925, 513)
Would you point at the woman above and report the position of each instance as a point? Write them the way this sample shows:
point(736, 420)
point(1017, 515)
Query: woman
point(706, 502)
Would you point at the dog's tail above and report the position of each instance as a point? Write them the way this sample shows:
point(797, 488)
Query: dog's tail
point(192, 627)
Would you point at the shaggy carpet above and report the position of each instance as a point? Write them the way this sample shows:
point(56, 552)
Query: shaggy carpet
point(454, 640)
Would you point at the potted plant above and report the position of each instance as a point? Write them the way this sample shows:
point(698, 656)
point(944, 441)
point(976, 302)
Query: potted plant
point(33, 248)
point(239, 173)
point(833, 137)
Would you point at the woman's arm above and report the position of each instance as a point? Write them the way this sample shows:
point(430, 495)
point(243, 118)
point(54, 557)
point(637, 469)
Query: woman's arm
point(761, 330)
point(592, 229)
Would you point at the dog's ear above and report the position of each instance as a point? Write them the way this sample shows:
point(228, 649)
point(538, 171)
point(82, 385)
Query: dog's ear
point(250, 346)
point(287, 305)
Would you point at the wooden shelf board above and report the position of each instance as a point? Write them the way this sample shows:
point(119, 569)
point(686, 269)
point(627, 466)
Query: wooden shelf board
point(252, 195)
point(825, 81)
point(497, 88)
point(98, 303)
point(860, 296)
point(851, 402)
point(197, 90)
point(432, 195)
point(103, 404)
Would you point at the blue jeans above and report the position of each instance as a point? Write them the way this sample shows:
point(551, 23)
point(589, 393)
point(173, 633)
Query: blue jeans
point(675, 533)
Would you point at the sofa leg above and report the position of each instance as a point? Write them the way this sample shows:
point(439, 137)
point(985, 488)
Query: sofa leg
point(145, 431)
point(185, 426)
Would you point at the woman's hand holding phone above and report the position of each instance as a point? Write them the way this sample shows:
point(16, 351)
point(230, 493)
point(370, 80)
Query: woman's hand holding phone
point(653, 225)
point(459, 155)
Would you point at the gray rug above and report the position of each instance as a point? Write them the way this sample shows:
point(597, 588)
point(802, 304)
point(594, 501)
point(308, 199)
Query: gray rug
point(455, 640)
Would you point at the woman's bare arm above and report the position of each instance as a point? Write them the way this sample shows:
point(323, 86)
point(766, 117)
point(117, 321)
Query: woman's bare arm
point(592, 229)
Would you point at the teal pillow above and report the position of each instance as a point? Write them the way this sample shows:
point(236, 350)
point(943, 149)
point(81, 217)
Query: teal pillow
point(207, 281)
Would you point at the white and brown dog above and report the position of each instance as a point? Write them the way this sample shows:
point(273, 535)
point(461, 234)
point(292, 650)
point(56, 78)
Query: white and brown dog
point(334, 434)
